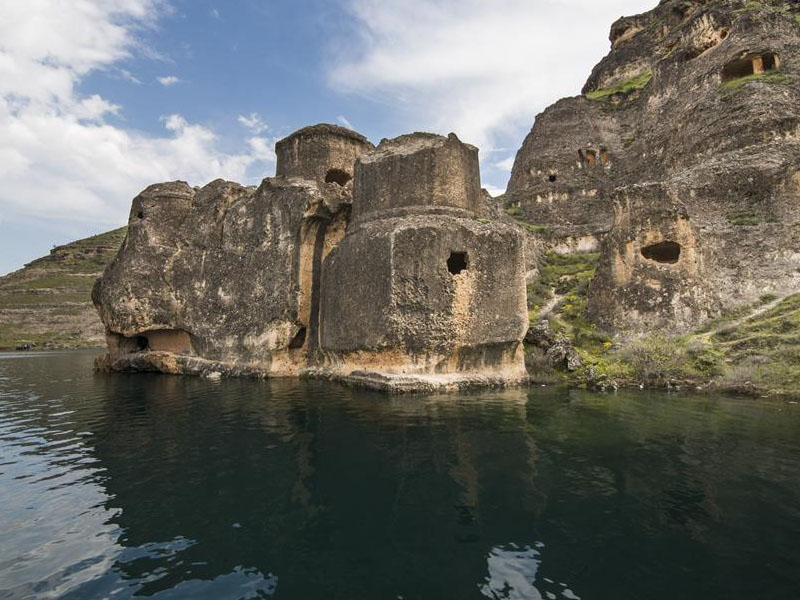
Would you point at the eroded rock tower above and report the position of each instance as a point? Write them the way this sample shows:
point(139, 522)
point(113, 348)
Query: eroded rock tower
point(374, 266)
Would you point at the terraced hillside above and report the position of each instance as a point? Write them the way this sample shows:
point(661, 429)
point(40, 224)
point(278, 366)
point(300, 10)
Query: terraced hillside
point(48, 303)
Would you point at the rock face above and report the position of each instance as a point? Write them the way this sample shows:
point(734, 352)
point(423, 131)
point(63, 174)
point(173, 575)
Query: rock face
point(679, 162)
point(419, 285)
point(415, 290)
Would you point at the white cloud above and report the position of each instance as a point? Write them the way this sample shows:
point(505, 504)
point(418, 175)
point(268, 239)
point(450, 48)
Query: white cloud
point(128, 76)
point(61, 155)
point(254, 122)
point(344, 121)
point(506, 164)
point(481, 69)
point(214, 13)
point(168, 80)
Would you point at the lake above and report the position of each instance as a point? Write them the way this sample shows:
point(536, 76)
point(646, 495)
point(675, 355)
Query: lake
point(122, 486)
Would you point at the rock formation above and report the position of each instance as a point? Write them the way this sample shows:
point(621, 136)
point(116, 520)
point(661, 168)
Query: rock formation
point(680, 163)
point(374, 266)
point(670, 187)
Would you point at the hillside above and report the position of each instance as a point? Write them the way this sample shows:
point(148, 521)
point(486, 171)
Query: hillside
point(48, 302)
point(752, 349)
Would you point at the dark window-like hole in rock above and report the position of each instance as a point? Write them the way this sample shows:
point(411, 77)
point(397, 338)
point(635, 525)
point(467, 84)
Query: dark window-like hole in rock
point(457, 262)
point(299, 339)
point(141, 343)
point(551, 178)
point(750, 65)
point(140, 214)
point(337, 176)
point(663, 252)
point(738, 68)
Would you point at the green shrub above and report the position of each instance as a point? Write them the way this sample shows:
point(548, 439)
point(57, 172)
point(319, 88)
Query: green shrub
point(638, 82)
point(654, 358)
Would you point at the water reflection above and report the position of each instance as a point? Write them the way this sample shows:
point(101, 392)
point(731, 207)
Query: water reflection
point(167, 487)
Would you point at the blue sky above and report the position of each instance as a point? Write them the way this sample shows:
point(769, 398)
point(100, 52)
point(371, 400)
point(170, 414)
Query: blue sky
point(99, 98)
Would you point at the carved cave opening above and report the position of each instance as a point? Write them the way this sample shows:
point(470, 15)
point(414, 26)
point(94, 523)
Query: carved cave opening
point(591, 158)
point(750, 65)
point(458, 262)
point(706, 45)
point(663, 252)
point(299, 339)
point(175, 341)
point(140, 214)
point(337, 176)
point(552, 178)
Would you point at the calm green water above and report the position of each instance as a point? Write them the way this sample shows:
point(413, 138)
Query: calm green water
point(115, 486)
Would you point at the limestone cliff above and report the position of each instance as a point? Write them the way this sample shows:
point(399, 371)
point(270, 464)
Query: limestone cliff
point(378, 266)
point(679, 164)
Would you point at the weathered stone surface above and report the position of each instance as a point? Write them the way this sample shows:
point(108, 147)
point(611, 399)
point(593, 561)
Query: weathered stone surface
point(416, 293)
point(418, 171)
point(430, 289)
point(219, 264)
point(694, 121)
point(559, 352)
point(322, 153)
point(651, 269)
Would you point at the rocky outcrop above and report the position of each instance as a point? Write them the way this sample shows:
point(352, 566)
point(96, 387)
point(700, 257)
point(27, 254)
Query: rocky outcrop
point(423, 283)
point(679, 162)
point(374, 266)
point(558, 350)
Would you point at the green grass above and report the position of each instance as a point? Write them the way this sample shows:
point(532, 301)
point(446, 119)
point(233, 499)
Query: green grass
point(561, 274)
point(11, 337)
point(764, 351)
point(514, 211)
point(640, 81)
point(772, 6)
point(531, 227)
point(39, 300)
point(743, 218)
point(774, 77)
point(68, 282)
point(568, 275)
point(757, 355)
point(629, 139)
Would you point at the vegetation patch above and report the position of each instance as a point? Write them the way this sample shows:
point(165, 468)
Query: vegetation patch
point(48, 302)
point(624, 88)
point(743, 218)
point(565, 275)
point(531, 227)
point(629, 139)
point(770, 77)
point(753, 349)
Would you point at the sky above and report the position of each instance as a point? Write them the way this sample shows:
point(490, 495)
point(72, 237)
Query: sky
point(100, 98)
